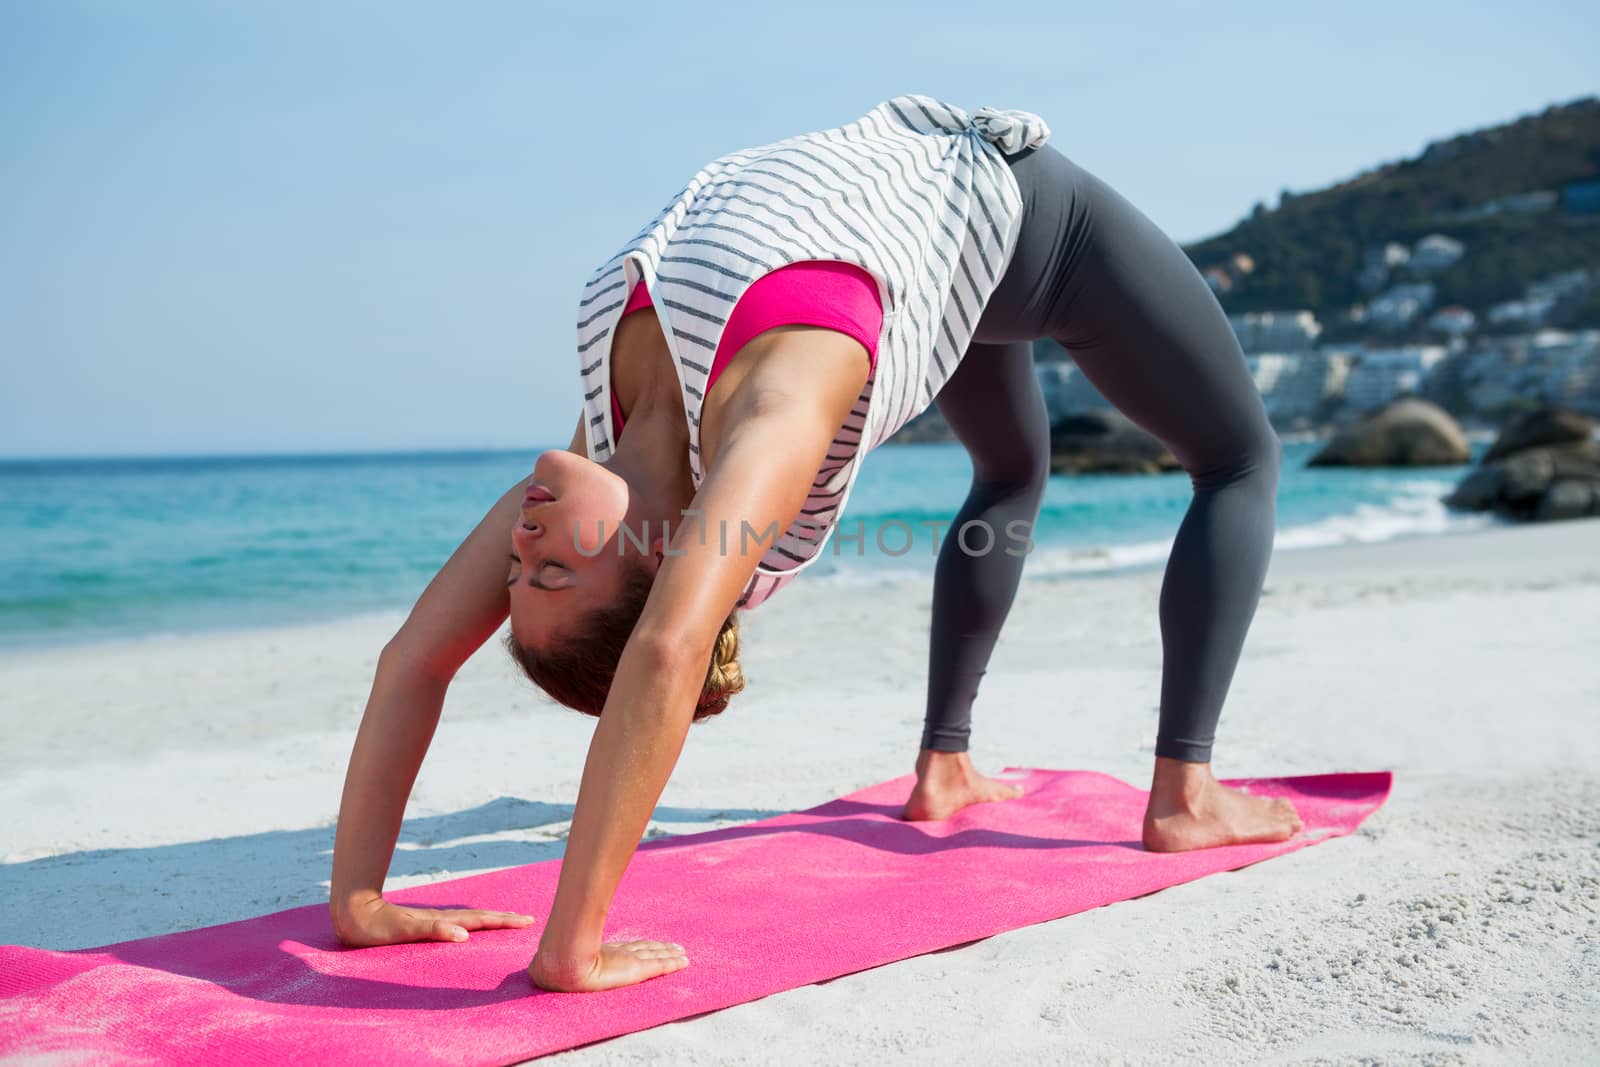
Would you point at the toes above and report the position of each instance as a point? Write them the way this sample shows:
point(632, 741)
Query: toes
point(1286, 811)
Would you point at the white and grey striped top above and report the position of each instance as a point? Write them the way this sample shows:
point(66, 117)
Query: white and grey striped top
point(916, 192)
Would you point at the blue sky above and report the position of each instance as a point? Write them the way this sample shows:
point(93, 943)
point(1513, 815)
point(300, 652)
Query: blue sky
point(295, 227)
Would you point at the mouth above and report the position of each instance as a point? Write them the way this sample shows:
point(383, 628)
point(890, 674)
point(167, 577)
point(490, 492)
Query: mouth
point(537, 494)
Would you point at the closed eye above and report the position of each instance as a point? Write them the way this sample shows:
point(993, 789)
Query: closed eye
point(538, 583)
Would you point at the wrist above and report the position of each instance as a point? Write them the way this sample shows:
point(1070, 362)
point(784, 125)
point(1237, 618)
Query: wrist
point(346, 907)
point(563, 968)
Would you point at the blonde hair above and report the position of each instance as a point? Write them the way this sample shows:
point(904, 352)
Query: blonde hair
point(724, 677)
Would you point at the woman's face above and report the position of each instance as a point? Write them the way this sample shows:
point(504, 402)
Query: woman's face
point(566, 553)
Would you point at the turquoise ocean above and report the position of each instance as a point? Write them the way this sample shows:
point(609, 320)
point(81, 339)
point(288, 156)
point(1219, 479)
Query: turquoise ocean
point(106, 549)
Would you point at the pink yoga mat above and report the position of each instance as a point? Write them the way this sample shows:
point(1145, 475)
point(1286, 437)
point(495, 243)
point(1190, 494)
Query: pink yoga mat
point(760, 908)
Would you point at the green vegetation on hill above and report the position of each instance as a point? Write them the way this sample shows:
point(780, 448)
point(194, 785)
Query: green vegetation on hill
point(1308, 250)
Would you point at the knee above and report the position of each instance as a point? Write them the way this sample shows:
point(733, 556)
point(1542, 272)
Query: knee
point(1021, 477)
point(1256, 460)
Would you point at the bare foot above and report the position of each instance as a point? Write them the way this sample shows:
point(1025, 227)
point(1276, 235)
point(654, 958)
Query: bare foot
point(947, 782)
point(1190, 809)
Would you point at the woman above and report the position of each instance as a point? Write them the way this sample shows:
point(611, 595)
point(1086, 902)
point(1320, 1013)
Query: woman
point(830, 286)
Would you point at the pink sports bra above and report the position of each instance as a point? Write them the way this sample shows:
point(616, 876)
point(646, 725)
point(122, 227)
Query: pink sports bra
point(840, 296)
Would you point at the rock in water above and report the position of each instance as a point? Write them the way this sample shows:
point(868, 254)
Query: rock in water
point(1105, 441)
point(1527, 475)
point(1543, 466)
point(1403, 433)
point(1569, 498)
point(1479, 490)
point(1542, 426)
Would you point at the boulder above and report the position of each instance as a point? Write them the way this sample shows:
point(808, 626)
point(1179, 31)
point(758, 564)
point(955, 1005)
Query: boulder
point(1538, 482)
point(1542, 426)
point(1526, 476)
point(1479, 490)
point(1569, 498)
point(1403, 433)
point(1105, 441)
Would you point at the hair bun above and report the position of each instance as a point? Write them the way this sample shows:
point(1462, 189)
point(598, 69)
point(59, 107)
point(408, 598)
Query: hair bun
point(724, 677)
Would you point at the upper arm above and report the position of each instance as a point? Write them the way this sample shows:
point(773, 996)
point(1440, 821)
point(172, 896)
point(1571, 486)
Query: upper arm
point(777, 440)
point(466, 601)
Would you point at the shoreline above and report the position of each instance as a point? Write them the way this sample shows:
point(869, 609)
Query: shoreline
point(88, 641)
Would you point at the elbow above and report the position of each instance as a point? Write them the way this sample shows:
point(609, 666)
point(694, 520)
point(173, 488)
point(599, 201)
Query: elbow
point(401, 657)
point(672, 659)
point(667, 653)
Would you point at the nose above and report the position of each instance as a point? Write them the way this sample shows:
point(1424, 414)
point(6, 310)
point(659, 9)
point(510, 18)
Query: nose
point(527, 532)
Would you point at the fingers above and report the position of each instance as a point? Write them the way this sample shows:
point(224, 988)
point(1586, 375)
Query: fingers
point(646, 960)
point(455, 925)
point(667, 953)
point(646, 948)
point(389, 924)
point(444, 930)
point(487, 920)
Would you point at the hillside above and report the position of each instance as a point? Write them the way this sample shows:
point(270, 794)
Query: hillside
point(1308, 252)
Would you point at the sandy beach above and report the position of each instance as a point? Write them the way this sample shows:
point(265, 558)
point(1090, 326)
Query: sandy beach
point(162, 784)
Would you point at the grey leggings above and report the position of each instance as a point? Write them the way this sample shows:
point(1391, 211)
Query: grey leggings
point(1093, 273)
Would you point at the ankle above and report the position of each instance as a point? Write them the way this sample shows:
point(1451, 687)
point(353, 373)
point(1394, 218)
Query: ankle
point(936, 766)
point(1180, 786)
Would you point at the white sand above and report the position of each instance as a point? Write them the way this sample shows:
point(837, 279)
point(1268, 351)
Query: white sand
point(158, 785)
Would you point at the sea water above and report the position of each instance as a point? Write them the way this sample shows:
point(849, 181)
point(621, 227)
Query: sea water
point(94, 549)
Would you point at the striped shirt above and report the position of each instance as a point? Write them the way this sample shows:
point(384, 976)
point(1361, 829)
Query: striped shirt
point(916, 192)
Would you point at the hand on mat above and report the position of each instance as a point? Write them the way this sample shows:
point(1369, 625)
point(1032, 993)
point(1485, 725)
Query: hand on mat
point(619, 963)
point(377, 922)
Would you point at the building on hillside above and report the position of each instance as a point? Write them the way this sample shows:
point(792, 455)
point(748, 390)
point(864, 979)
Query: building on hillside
point(1530, 314)
point(1495, 376)
point(1294, 385)
point(1567, 365)
point(1581, 198)
point(1276, 331)
point(1435, 252)
point(1564, 288)
point(1399, 305)
point(1390, 254)
point(1223, 277)
point(1377, 261)
point(1550, 366)
point(1445, 383)
point(1339, 362)
point(1454, 320)
point(1547, 300)
point(1382, 374)
point(1529, 203)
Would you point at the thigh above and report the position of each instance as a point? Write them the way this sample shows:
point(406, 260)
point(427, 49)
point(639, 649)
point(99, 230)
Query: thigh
point(1094, 273)
point(1146, 330)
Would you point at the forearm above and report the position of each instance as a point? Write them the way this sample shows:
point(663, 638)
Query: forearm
point(396, 729)
point(636, 744)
